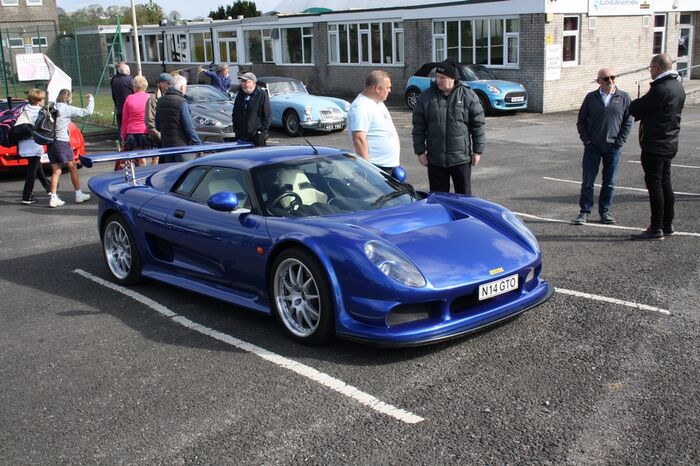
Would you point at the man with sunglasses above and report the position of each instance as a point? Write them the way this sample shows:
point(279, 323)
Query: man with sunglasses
point(604, 122)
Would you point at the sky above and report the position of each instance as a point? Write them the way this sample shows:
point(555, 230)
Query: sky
point(187, 9)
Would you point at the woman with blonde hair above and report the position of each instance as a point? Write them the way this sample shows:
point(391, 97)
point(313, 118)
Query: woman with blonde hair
point(60, 152)
point(29, 149)
point(134, 132)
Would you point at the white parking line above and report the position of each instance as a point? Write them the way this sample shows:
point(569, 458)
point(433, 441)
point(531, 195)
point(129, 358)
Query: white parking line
point(595, 297)
point(616, 187)
point(673, 164)
point(294, 366)
point(599, 225)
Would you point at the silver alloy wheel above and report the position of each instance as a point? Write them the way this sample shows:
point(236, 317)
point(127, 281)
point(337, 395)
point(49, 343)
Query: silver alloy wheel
point(117, 248)
point(411, 98)
point(297, 297)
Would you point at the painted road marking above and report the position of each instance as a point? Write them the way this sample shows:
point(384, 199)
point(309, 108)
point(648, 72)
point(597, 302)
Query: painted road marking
point(294, 366)
point(599, 225)
point(617, 187)
point(673, 164)
point(606, 299)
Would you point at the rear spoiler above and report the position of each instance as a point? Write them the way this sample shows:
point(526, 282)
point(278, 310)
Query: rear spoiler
point(130, 172)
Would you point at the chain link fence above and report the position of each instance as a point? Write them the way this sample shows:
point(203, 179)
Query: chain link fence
point(88, 57)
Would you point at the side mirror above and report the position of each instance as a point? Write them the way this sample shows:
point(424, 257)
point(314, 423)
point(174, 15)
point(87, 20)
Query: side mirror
point(399, 174)
point(224, 201)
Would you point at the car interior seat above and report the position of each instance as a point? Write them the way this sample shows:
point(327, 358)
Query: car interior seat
point(295, 180)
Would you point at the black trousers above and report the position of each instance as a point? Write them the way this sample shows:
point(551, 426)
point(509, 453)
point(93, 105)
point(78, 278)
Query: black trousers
point(34, 171)
point(657, 177)
point(439, 178)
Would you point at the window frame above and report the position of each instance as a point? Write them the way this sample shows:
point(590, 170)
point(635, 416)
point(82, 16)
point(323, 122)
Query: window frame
point(443, 29)
point(359, 43)
point(576, 34)
point(35, 3)
point(659, 29)
point(10, 3)
point(307, 56)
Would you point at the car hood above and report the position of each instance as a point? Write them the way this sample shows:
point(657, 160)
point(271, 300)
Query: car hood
point(219, 110)
point(449, 241)
point(315, 101)
point(508, 86)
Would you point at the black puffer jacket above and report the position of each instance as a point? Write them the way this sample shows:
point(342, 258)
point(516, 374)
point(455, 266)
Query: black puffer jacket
point(253, 118)
point(660, 112)
point(449, 127)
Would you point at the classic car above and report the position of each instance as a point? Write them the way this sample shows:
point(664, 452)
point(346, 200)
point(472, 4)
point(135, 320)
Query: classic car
point(322, 239)
point(494, 94)
point(295, 110)
point(211, 112)
point(9, 160)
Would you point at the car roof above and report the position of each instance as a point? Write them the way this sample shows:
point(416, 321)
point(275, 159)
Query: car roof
point(245, 159)
point(276, 79)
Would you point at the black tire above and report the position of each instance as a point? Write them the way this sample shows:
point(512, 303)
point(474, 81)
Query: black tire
point(120, 251)
point(412, 97)
point(292, 124)
point(301, 298)
point(485, 104)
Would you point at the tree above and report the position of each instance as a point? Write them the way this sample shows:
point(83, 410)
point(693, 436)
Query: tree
point(150, 13)
point(241, 7)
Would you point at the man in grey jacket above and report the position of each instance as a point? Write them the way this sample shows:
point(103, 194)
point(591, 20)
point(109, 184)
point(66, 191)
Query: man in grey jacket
point(604, 122)
point(448, 130)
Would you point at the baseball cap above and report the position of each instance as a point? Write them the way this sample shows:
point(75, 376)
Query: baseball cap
point(164, 78)
point(248, 77)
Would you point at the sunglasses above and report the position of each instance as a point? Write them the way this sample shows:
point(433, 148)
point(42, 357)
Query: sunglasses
point(607, 79)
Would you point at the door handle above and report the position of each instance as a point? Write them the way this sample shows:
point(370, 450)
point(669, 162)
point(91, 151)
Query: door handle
point(179, 213)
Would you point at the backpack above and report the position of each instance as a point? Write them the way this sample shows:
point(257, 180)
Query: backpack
point(8, 118)
point(45, 125)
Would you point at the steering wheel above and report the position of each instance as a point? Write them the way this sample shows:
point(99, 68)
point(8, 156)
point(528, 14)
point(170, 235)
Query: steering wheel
point(293, 205)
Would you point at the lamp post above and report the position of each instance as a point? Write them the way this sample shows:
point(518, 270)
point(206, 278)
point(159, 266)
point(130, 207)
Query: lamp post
point(136, 38)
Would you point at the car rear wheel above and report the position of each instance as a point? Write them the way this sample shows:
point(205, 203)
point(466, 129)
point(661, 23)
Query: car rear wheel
point(292, 124)
point(485, 104)
point(120, 251)
point(412, 98)
point(301, 297)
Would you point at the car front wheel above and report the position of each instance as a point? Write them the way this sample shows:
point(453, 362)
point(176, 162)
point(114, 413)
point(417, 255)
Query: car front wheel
point(412, 98)
point(292, 124)
point(120, 251)
point(301, 297)
point(485, 104)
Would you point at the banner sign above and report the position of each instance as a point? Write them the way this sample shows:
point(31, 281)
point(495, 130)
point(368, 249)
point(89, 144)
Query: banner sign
point(620, 7)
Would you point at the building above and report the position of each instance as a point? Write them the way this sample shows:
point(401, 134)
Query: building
point(553, 47)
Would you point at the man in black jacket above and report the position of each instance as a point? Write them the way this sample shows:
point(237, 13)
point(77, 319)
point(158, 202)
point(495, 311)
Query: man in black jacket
point(121, 84)
point(251, 111)
point(174, 120)
point(660, 113)
point(604, 122)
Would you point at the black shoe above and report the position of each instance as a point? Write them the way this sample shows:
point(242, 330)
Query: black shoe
point(669, 231)
point(581, 219)
point(648, 235)
point(607, 218)
point(31, 200)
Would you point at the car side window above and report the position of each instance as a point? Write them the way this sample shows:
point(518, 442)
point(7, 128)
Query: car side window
point(189, 181)
point(220, 179)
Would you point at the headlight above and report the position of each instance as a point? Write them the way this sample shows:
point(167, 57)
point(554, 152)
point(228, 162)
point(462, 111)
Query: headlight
point(494, 90)
point(394, 264)
point(514, 220)
point(346, 107)
point(307, 111)
point(204, 121)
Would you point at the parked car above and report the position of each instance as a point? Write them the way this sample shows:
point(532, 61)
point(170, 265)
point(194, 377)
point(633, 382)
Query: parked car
point(322, 239)
point(295, 110)
point(495, 94)
point(211, 113)
point(9, 160)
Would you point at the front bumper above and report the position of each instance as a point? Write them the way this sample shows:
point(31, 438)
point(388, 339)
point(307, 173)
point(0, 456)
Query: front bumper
point(215, 134)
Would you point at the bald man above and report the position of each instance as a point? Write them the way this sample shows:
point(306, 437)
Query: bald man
point(604, 122)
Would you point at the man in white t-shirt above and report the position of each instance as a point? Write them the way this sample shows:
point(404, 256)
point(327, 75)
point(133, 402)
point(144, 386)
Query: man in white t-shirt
point(370, 126)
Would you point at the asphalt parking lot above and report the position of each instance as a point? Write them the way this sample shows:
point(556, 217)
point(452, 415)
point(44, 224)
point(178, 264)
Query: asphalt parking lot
point(604, 372)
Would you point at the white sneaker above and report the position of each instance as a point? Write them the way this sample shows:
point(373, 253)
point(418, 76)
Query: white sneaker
point(81, 197)
point(56, 202)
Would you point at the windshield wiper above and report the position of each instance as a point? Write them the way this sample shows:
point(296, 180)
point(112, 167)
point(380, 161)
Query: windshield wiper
point(384, 198)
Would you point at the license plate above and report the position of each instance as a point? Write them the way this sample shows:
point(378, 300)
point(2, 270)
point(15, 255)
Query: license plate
point(333, 126)
point(44, 158)
point(496, 287)
point(517, 99)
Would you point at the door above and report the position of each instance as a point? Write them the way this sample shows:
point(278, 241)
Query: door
point(685, 52)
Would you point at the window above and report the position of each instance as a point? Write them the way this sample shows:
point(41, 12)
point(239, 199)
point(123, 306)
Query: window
point(494, 42)
point(659, 44)
point(366, 43)
point(297, 45)
point(152, 48)
point(176, 47)
point(200, 45)
point(34, 2)
point(220, 180)
point(570, 40)
point(10, 2)
point(15, 43)
point(39, 42)
point(228, 46)
point(258, 44)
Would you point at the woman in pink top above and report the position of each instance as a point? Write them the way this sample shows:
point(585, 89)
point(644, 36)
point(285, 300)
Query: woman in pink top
point(134, 131)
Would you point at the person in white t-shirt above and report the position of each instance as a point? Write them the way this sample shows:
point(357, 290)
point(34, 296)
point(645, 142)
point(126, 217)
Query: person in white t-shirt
point(370, 126)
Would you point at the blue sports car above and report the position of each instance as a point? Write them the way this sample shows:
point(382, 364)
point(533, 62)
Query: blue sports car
point(494, 94)
point(295, 110)
point(323, 240)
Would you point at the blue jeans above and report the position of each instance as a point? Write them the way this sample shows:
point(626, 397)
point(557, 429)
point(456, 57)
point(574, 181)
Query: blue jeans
point(592, 157)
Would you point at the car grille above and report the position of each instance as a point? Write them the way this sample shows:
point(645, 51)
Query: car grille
point(330, 114)
point(508, 99)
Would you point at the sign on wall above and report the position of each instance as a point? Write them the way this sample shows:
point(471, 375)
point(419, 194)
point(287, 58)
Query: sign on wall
point(620, 7)
point(552, 59)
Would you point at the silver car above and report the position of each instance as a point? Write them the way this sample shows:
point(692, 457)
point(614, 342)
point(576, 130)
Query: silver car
point(211, 113)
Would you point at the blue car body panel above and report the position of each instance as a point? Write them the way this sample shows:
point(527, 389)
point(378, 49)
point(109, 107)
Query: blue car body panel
point(458, 243)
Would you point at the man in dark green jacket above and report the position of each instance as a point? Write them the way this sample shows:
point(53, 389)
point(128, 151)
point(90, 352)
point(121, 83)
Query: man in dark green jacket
point(448, 131)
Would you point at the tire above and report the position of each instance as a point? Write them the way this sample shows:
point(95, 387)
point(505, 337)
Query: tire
point(485, 104)
point(412, 98)
point(292, 124)
point(120, 251)
point(301, 297)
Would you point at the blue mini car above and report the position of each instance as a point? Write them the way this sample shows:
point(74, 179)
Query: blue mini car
point(494, 93)
point(320, 238)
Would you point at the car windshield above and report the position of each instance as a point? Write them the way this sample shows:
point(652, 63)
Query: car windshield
point(204, 94)
point(477, 72)
point(331, 185)
point(286, 87)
